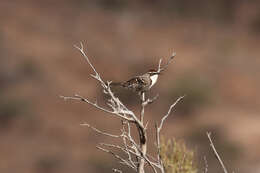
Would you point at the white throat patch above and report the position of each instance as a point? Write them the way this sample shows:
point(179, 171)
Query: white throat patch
point(154, 79)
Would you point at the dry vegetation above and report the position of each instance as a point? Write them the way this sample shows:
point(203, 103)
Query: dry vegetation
point(171, 156)
point(41, 133)
point(177, 158)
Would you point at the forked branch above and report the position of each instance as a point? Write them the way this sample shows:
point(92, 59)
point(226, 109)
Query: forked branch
point(136, 154)
point(158, 130)
point(160, 68)
point(168, 113)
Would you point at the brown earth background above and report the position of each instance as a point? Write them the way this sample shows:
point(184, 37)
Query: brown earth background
point(217, 66)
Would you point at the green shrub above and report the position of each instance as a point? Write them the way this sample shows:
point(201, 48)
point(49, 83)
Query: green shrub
point(177, 158)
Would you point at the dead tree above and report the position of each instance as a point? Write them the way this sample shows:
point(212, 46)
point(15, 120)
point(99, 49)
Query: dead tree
point(136, 151)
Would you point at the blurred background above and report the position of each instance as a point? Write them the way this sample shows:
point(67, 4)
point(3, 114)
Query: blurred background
point(217, 67)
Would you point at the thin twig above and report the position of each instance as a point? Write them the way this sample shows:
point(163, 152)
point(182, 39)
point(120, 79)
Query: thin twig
point(152, 164)
point(120, 148)
point(216, 153)
point(158, 129)
point(80, 98)
point(168, 113)
point(81, 49)
point(127, 149)
point(149, 101)
point(99, 131)
point(159, 159)
point(160, 69)
point(141, 152)
point(123, 161)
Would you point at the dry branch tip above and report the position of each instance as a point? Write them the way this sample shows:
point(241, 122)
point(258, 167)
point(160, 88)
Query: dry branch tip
point(216, 153)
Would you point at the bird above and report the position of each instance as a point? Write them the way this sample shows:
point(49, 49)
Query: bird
point(140, 83)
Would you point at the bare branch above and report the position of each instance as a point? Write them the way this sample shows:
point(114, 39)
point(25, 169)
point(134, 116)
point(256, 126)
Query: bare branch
point(127, 151)
point(149, 101)
point(100, 132)
point(158, 129)
point(81, 49)
point(142, 136)
point(152, 164)
point(159, 66)
point(80, 98)
point(118, 109)
point(146, 125)
point(115, 103)
point(216, 153)
point(139, 151)
point(142, 155)
point(168, 113)
point(160, 69)
point(159, 160)
point(120, 148)
point(123, 161)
